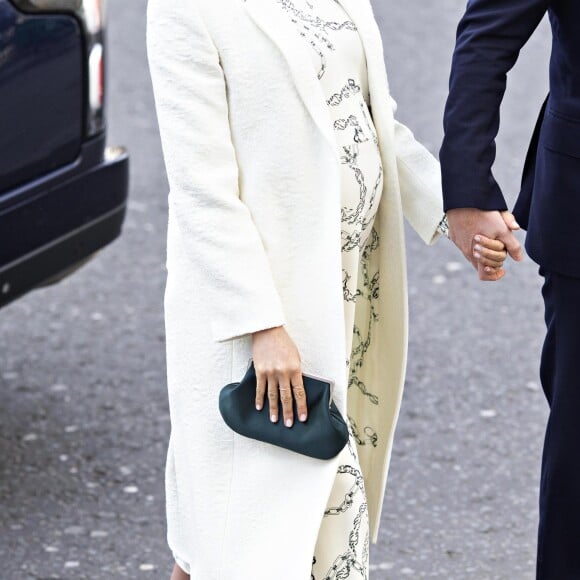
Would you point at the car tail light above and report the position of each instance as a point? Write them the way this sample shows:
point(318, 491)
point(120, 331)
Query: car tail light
point(91, 14)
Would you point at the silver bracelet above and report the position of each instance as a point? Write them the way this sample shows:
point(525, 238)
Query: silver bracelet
point(443, 227)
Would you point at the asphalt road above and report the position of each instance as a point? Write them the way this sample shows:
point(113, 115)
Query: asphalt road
point(84, 419)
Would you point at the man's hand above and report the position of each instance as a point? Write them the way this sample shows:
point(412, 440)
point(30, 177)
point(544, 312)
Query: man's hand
point(466, 223)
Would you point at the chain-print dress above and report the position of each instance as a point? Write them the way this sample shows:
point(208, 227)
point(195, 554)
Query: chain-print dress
point(339, 60)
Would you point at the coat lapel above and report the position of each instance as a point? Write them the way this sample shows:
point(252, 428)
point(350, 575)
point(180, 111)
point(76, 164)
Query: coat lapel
point(270, 19)
point(273, 22)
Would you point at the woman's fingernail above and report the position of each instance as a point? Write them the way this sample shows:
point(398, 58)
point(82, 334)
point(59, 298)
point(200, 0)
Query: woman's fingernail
point(259, 407)
point(477, 248)
point(303, 417)
point(477, 255)
point(516, 225)
point(288, 422)
point(488, 269)
point(477, 238)
point(273, 418)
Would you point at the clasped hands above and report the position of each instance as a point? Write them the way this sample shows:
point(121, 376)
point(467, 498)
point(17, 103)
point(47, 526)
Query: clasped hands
point(486, 239)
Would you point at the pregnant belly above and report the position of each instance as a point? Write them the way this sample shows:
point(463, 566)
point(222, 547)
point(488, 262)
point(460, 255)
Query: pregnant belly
point(362, 185)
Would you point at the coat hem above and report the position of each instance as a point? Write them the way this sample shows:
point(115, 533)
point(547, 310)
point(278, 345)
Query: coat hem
point(181, 563)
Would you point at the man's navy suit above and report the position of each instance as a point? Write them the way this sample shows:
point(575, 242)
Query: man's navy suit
point(489, 39)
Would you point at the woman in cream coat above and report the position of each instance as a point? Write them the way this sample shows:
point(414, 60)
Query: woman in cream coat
point(254, 245)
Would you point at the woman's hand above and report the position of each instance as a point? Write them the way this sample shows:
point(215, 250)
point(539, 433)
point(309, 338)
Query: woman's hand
point(278, 370)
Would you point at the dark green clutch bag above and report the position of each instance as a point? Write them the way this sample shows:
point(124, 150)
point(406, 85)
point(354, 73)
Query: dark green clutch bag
point(322, 436)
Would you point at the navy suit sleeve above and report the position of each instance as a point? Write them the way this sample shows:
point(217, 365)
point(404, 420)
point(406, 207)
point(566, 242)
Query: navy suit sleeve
point(489, 39)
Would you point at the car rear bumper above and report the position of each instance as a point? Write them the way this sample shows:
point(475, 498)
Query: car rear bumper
point(53, 225)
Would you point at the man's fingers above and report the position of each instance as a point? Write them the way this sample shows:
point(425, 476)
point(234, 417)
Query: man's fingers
point(489, 257)
point(490, 274)
point(512, 245)
point(510, 220)
point(488, 243)
point(493, 264)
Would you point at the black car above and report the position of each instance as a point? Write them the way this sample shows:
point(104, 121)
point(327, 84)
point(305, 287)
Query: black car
point(63, 192)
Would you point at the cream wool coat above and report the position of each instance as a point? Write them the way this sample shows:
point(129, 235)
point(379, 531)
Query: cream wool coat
point(254, 242)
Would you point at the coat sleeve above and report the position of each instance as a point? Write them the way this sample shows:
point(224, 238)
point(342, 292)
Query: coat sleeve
point(489, 39)
point(420, 183)
point(226, 253)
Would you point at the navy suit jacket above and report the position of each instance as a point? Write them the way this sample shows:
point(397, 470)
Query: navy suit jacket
point(489, 39)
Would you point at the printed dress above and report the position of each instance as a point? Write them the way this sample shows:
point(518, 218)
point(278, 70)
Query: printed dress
point(338, 57)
